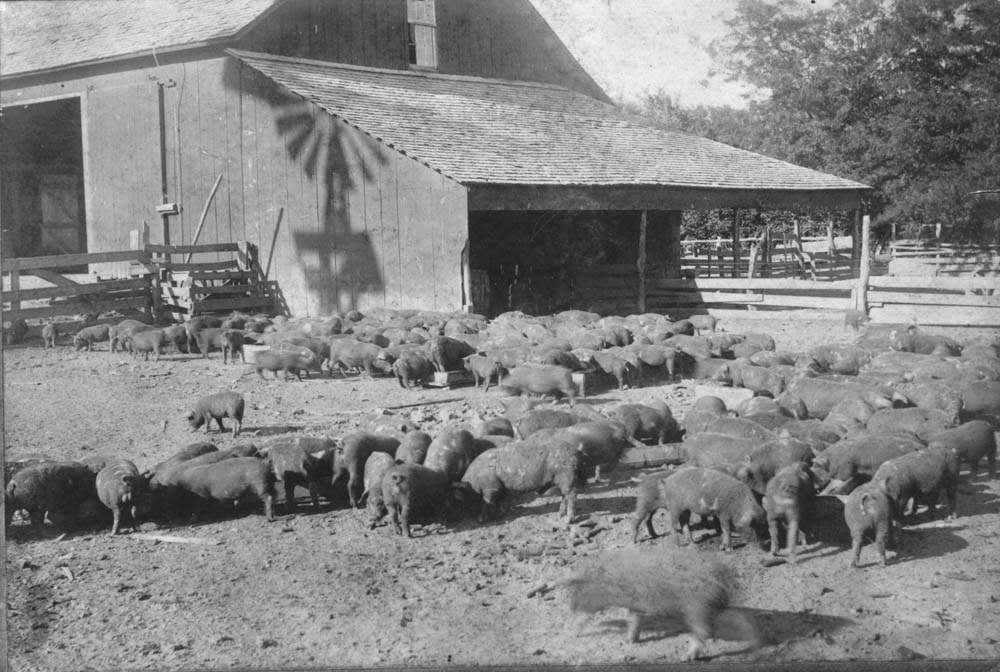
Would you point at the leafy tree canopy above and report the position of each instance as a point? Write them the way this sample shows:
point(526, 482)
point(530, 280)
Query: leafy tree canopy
point(903, 95)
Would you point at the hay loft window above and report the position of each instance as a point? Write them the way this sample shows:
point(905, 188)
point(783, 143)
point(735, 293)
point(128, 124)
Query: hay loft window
point(422, 34)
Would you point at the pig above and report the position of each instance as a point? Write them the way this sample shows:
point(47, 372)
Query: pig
point(413, 448)
point(411, 489)
point(601, 442)
point(195, 325)
point(388, 424)
point(849, 414)
point(656, 357)
point(820, 396)
point(789, 496)
point(840, 358)
point(920, 475)
point(688, 586)
point(293, 466)
point(703, 323)
point(496, 427)
point(145, 342)
point(229, 480)
point(50, 332)
point(118, 486)
point(190, 451)
point(216, 407)
point(860, 456)
point(711, 404)
point(921, 421)
point(56, 488)
point(376, 467)
point(176, 335)
point(119, 332)
point(771, 358)
point(527, 466)
point(86, 337)
point(980, 401)
point(816, 433)
point(868, 508)
point(232, 344)
point(740, 427)
point(446, 353)
point(706, 492)
point(760, 379)
point(540, 379)
point(412, 370)
point(697, 421)
point(765, 461)
point(485, 368)
point(544, 418)
point(709, 449)
point(451, 452)
point(970, 442)
point(556, 357)
point(285, 362)
point(933, 395)
point(318, 347)
point(357, 447)
point(914, 340)
point(17, 332)
point(643, 422)
point(347, 353)
point(617, 366)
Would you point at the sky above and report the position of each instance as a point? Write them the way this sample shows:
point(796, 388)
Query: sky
point(633, 47)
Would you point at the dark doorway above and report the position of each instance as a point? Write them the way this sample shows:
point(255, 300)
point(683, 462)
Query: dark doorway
point(41, 184)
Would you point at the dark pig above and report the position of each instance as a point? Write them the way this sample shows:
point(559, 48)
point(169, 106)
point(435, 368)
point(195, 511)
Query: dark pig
point(376, 467)
point(176, 335)
point(230, 480)
point(293, 466)
point(216, 407)
point(933, 395)
point(56, 488)
point(347, 353)
point(446, 353)
point(971, 442)
point(17, 332)
point(413, 448)
point(86, 337)
point(195, 325)
point(232, 343)
point(451, 452)
point(544, 418)
point(860, 456)
point(527, 466)
point(118, 332)
point(646, 423)
point(285, 362)
point(413, 369)
point(688, 587)
point(357, 447)
point(706, 492)
point(868, 509)
point(602, 443)
point(820, 396)
point(764, 463)
point(411, 489)
point(119, 487)
point(540, 379)
point(497, 427)
point(145, 342)
point(921, 421)
point(920, 476)
point(788, 497)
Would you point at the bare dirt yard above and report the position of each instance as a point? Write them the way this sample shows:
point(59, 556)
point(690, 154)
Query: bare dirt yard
point(322, 590)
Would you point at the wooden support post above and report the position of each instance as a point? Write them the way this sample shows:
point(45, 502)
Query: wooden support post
point(856, 243)
point(204, 213)
point(467, 304)
point(736, 243)
point(641, 263)
point(274, 240)
point(862, 297)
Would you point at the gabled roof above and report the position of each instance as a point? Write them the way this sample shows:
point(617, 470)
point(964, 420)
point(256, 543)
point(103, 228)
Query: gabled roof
point(490, 131)
point(38, 36)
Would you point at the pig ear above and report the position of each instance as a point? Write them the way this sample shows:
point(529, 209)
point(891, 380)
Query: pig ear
point(746, 459)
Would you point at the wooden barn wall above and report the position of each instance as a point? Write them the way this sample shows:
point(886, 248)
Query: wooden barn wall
point(371, 33)
point(360, 226)
point(505, 40)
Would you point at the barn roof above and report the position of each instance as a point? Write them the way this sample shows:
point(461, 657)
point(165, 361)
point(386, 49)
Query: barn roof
point(38, 36)
point(489, 131)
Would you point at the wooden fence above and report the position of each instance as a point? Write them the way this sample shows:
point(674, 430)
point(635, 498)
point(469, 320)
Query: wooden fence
point(163, 281)
point(811, 258)
point(934, 258)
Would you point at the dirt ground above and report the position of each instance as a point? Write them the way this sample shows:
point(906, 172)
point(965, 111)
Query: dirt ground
point(322, 590)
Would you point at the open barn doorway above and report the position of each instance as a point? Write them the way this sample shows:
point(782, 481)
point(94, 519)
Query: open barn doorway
point(530, 260)
point(41, 185)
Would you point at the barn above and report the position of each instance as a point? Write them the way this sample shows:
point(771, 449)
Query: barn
point(380, 153)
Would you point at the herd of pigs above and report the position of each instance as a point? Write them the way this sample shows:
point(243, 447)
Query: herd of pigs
point(882, 425)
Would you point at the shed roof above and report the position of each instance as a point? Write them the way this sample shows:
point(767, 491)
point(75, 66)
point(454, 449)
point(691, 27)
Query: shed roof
point(490, 131)
point(37, 36)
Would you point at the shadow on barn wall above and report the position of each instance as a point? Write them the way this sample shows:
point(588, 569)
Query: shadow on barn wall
point(335, 253)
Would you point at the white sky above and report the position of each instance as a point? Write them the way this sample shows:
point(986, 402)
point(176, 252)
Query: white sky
point(631, 47)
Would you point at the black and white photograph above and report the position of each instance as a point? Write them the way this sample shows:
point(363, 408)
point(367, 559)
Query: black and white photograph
point(522, 334)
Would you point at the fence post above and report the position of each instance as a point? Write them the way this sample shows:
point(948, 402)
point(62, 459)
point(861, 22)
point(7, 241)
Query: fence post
point(641, 263)
point(15, 286)
point(736, 243)
point(862, 296)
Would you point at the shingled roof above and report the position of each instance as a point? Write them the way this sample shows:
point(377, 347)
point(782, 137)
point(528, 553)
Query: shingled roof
point(489, 131)
point(38, 36)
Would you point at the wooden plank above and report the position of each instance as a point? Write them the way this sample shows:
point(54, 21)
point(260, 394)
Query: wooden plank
point(232, 304)
point(64, 260)
point(821, 302)
point(918, 283)
point(641, 263)
point(927, 298)
point(945, 316)
point(232, 264)
point(706, 297)
point(183, 249)
point(50, 276)
point(75, 290)
point(220, 275)
point(757, 283)
point(224, 289)
point(75, 307)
